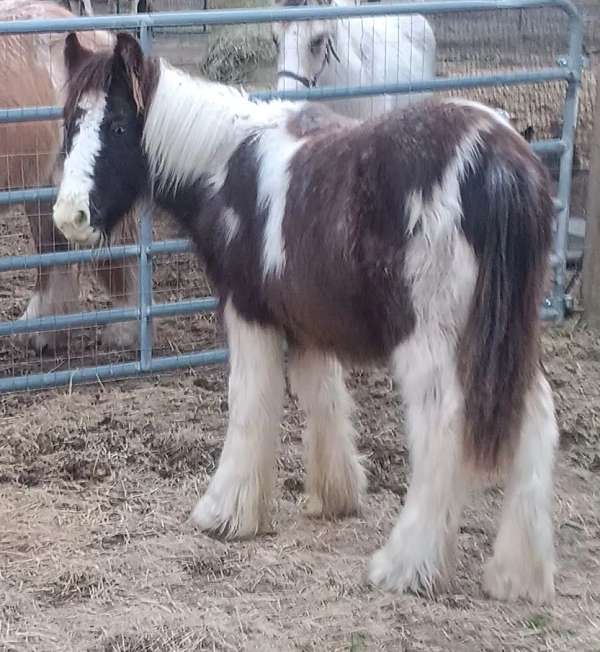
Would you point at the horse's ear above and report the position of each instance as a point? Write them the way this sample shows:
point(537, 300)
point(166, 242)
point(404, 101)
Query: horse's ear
point(75, 54)
point(128, 52)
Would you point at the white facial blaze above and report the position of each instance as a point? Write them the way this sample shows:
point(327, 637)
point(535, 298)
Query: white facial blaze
point(77, 181)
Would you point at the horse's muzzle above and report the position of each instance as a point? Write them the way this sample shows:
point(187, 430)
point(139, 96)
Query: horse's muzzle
point(72, 219)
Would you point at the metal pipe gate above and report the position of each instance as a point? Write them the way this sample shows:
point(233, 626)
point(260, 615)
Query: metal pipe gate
point(568, 71)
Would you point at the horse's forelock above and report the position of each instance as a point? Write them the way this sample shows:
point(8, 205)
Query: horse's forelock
point(92, 75)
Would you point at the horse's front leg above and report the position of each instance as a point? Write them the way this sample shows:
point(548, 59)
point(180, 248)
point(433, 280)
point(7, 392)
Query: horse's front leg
point(238, 499)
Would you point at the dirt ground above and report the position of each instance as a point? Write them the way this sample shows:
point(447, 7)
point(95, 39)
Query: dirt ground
point(97, 481)
point(96, 485)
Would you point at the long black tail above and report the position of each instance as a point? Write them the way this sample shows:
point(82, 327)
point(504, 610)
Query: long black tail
point(507, 218)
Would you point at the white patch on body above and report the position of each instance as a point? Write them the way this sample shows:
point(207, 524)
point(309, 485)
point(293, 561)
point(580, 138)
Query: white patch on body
point(498, 115)
point(441, 270)
point(276, 148)
point(231, 224)
point(444, 210)
point(238, 499)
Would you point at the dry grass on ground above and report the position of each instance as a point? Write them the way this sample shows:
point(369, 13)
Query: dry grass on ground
point(95, 552)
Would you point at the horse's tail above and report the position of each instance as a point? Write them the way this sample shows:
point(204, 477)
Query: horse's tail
point(507, 218)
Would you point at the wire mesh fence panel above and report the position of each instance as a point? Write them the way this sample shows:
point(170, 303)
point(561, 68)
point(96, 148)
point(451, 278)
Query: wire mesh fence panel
point(481, 50)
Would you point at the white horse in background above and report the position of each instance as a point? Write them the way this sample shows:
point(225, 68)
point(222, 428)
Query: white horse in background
point(354, 52)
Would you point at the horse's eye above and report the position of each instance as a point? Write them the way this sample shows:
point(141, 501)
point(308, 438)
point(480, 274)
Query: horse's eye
point(317, 43)
point(118, 129)
point(276, 41)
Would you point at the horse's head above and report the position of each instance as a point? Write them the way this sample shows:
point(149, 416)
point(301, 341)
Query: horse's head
point(105, 169)
point(305, 48)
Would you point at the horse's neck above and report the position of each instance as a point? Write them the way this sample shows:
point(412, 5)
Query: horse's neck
point(351, 68)
point(382, 49)
point(193, 126)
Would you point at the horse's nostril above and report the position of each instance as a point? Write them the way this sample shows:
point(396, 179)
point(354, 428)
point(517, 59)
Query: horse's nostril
point(81, 218)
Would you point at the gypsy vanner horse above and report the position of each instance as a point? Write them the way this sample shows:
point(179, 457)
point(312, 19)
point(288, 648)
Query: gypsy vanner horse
point(33, 74)
point(418, 239)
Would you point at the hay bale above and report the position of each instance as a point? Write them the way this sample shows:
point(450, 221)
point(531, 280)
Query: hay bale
point(539, 106)
point(236, 52)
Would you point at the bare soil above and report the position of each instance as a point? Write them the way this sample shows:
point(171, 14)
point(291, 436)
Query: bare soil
point(96, 485)
point(97, 481)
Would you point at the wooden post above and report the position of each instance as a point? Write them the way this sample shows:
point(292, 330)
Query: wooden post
point(591, 255)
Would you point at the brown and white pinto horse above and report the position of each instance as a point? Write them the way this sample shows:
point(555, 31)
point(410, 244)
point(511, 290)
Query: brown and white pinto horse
point(32, 73)
point(418, 239)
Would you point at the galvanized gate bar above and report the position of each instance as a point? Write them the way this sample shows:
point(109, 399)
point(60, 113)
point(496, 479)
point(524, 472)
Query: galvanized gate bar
point(111, 371)
point(107, 316)
point(272, 15)
point(439, 84)
point(146, 249)
point(30, 114)
point(115, 252)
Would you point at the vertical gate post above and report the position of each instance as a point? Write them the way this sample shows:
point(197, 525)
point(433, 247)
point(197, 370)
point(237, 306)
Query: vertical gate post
point(575, 61)
point(591, 255)
point(145, 261)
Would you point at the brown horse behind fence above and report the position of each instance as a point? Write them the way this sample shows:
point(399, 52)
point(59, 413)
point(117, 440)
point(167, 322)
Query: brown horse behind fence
point(32, 74)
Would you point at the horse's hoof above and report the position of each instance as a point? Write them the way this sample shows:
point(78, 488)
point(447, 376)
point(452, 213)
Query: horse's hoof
point(502, 583)
point(391, 570)
point(229, 517)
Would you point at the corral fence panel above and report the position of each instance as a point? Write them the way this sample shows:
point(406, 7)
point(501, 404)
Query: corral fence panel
point(565, 70)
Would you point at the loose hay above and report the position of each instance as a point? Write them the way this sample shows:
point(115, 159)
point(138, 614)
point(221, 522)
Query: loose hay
point(236, 52)
point(110, 563)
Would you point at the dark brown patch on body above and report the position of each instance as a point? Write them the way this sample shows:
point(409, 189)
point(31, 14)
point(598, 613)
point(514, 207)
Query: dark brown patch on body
point(345, 229)
point(234, 267)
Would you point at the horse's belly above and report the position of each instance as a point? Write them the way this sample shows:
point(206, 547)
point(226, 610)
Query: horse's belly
point(357, 326)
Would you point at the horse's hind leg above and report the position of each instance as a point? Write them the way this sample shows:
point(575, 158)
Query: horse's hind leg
point(523, 561)
point(420, 552)
point(238, 498)
point(56, 290)
point(335, 479)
